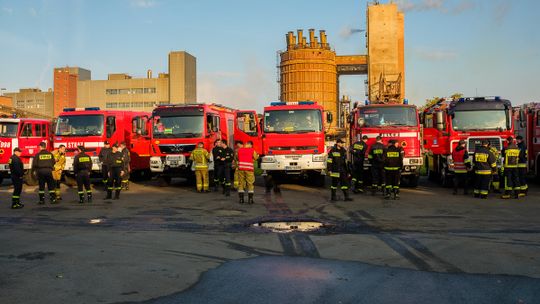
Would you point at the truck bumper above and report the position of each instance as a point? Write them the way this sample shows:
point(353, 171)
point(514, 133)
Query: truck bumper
point(294, 164)
point(175, 165)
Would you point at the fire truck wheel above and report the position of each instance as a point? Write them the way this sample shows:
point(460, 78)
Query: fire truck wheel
point(1, 179)
point(318, 180)
point(165, 181)
point(30, 178)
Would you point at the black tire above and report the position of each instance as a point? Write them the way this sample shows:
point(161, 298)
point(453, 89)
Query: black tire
point(319, 180)
point(1, 179)
point(432, 175)
point(446, 179)
point(165, 180)
point(30, 178)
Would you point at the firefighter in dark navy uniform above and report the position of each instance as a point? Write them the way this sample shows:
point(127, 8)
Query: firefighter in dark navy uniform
point(116, 172)
point(227, 158)
point(358, 151)
point(338, 170)
point(105, 159)
point(393, 162)
point(217, 154)
point(522, 166)
point(127, 169)
point(485, 163)
point(16, 168)
point(82, 166)
point(376, 159)
point(43, 165)
point(509, 169)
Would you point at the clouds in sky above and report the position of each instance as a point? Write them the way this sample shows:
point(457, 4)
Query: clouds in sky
point(143, 3)
point(435, 54)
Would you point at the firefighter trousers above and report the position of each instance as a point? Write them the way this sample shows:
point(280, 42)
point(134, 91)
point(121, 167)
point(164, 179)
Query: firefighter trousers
point(201, 178)
point(511, 180)
point(246, 181)
point(105, 174)
point(377, 176)
point(83, 182)
point(44, 176)
point(392, 180)
point(522, 174)
point(222, 174)
point(481, 184)
point(115, 180)
point(339, 178)
point(17, 187)
point(358, 175)
point(125, 179)
point(460, 181)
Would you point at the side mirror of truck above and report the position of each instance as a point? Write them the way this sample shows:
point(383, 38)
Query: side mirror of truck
point(440, 120)
point(329, 117)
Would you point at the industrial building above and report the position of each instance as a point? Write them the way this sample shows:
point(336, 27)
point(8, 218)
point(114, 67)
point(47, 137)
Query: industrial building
point(33, 100)
point(122, 91)
point(65, 87)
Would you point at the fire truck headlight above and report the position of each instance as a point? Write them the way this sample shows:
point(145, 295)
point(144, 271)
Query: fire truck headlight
point(414, 161)
point(319, 158)
point(269, 159)
point(407, 168)
point(95, 160)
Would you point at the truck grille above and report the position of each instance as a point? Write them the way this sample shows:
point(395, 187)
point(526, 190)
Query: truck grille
point(176, 149)
point(475, 142)
point(297, 148)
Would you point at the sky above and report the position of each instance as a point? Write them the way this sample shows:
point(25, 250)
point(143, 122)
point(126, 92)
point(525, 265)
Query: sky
point(476, 47)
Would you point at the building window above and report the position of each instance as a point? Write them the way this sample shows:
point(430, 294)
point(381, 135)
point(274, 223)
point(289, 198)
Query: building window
point(111, 91)
point(148, 104)
point(130, 91)
point(111, 105)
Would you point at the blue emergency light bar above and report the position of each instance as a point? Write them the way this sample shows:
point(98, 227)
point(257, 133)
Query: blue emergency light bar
point(463, 99)
point(81, 109)
point(291, 103)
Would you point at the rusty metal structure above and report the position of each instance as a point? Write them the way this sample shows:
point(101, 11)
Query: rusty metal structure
point(310, 69)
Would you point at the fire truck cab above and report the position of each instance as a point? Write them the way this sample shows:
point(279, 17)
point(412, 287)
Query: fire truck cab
point(391, 121)
point(91, 127)
point(527, 125)
point(27, 134)
point(291, 140)
point(178, 128)
point(470, 119)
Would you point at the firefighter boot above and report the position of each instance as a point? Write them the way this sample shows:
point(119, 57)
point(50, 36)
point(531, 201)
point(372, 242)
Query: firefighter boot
point(373, 190)
point(15, 203)
point(109, 194)
point(396, 194)
point(506, 194)
point(241, 197)
point(126, 187)
point(355, 188)
point(57, 193)
point(516, 194)
point(250, 198)
point(81, 198)
point(346, 196)
point(387, 194)
point(228, 191)
point(117, 194)
point(41, 198)
point(89, 196)
point(52, 197)
point(333, 196)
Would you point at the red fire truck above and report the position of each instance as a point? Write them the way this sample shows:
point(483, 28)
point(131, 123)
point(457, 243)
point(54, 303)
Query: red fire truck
point(27, 134)
point(470, 119)
point(397, 121)
point(91, 127)
point(178, 128)
point(528, 126)
point(290, 139)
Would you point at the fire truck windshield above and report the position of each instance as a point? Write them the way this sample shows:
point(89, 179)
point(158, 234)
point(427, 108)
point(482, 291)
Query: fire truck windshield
point(79, 125)
point(292, 121)
point(480, 120)
point(179, 126)
point(388, 116)
point(8, 129)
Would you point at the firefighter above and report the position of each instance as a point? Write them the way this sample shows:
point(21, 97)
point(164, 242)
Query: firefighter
point(358, 151)
point(200, 158)
point(227, 158)
point(338, 170)
point(43, 165)
point(217, 153)
point(16, 168)
point(105, 159)
point(59, 164)
point(246, 172)
point(376, 159)
point(82, 166)
point(393, 162)
point(462, 166)
point(522, 166)
point(126, 169)
point(115, 173)
point(509, 169)
point(238, 145)
point(485, 164)
point(496, 176)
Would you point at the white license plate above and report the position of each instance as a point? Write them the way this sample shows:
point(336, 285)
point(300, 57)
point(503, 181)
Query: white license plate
point(174, 163)
point(292, 168)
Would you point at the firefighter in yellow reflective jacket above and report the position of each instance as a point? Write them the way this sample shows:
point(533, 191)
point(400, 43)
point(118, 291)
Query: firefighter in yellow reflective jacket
point(239, 145)
point(59, 164)
point(200, 158)
point(337, 168)
point(509, 169)
point(496, 176)
point(485, 163)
